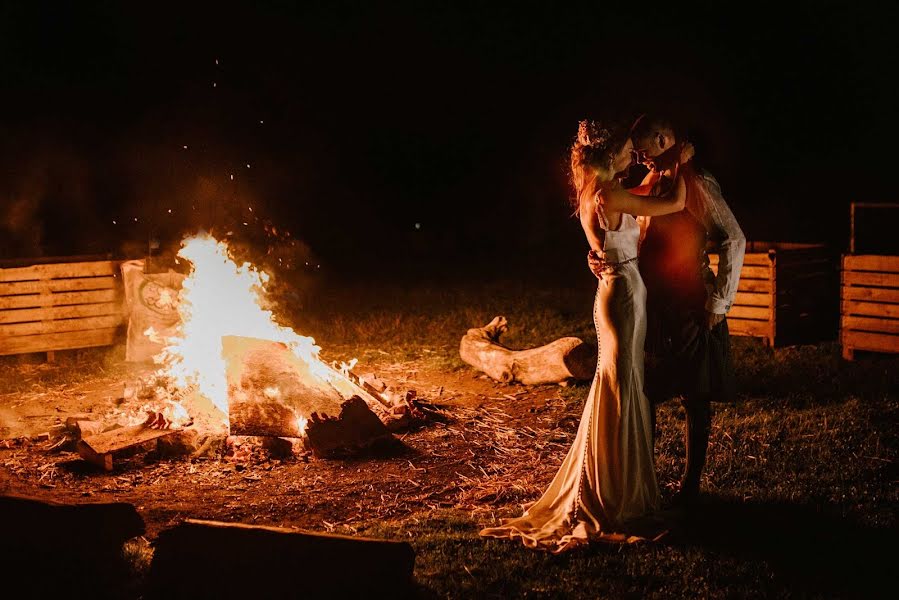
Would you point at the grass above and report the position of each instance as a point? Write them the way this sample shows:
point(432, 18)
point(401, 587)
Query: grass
point(800, 481)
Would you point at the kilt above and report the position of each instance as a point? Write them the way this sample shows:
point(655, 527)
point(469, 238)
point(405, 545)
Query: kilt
point(685, 358)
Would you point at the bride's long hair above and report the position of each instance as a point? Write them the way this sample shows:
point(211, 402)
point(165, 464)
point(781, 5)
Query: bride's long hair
point(591, 155)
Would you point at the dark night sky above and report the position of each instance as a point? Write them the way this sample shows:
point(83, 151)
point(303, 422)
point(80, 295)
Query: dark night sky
point(359, 123)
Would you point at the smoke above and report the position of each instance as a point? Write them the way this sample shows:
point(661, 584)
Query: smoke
point(22, 229)
point(11, 424)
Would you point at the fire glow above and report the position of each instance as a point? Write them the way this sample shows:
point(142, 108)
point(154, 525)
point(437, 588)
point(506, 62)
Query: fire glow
point(220, 298)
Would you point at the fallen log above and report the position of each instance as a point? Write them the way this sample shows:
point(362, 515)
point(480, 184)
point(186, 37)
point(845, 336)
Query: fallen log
point(556, 362)
point(99, 449)
point(209, 559)
point(73, 547)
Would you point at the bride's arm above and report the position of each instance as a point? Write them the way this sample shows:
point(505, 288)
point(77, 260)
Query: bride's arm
point(619, 200)
point(590, 223)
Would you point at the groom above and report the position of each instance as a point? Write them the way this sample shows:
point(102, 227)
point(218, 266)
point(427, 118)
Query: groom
point(687, 341)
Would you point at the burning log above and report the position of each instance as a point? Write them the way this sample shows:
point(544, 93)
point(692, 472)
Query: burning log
point(272, 392)
point(556, 362)
point(269, 388)
point(189, 561)
point(355, 428)
point(99, 449)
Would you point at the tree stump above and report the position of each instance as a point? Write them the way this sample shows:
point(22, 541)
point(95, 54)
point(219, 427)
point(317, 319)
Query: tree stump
point(556, 362)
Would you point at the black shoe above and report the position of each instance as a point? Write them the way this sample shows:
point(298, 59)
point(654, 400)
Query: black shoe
point(687, 497)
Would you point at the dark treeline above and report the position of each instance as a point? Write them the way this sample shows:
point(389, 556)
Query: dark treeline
point(393, 139)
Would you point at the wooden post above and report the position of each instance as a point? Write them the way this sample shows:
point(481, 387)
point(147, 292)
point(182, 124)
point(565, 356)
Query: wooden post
point(772, 277)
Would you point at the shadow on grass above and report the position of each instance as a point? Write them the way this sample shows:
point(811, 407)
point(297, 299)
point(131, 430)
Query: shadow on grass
point(812, 549)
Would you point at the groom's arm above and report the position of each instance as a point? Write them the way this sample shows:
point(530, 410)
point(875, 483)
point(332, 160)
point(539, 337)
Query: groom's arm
point(712, 211)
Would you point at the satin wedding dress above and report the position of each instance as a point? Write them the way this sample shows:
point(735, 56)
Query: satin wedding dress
point(607, 482)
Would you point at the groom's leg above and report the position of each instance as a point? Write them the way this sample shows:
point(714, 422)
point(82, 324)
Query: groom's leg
point(699, 422)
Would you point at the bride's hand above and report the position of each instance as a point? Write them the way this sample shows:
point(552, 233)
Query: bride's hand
point(687, 152)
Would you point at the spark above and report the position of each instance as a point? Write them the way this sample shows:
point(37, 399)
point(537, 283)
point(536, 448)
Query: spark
point(232, 176)
point(248, 165)
point(214, 84)
point(114, 223)
point(418, 225)
point(184, 146)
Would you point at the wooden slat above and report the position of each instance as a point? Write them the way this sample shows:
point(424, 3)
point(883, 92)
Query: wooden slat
point(752, 299)
point(876, 342)
point(871, 309)
point(749, 312)
point(755, 273)
point(852, 292)
point(871, 262)
point(749, 272)
point(57, 341)
point(59, 326)
point(754, 285)
point(60, 299)
point(58, 270)
point(749, 327)
point(49, 313)
point(48, 286)
point(871, 324)
point(762, 260)
point(871, 279)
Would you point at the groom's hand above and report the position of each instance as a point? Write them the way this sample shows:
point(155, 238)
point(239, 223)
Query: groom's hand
point(595, 263)
point(712, 319)
point(687, 152)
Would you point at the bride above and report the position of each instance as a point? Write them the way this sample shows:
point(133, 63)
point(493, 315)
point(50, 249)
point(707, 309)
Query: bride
point(607, 481)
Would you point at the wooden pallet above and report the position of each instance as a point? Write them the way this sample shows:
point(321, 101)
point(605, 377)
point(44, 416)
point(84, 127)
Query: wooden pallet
point(869, 307)
point(59, 306)
point(787, 293)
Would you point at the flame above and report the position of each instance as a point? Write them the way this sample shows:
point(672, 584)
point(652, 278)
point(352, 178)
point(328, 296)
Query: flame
point(220, 298)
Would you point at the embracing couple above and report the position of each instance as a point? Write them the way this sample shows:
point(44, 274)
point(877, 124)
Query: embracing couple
point(665, 311)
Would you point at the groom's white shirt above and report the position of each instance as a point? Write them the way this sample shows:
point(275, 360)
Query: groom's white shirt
point(722, 228)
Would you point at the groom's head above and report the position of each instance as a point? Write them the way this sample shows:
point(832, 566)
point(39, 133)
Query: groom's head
point(654, 138)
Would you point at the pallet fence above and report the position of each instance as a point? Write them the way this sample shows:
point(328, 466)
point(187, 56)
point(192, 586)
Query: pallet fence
point(59, 306)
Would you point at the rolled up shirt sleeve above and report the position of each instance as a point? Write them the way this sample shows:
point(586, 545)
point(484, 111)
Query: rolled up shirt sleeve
point(712, 211)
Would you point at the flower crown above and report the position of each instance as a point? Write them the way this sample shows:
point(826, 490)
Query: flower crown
point(592, 134)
